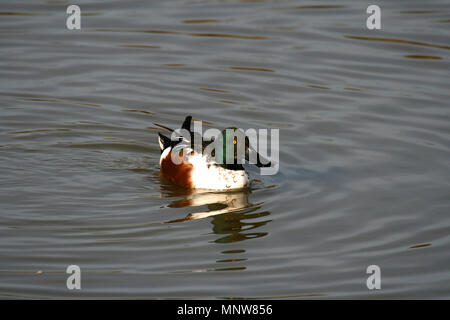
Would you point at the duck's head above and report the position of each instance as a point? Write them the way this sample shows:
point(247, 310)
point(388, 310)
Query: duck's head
point(233, 147)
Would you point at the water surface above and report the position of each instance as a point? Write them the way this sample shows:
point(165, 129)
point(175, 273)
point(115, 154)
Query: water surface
point(364, 149)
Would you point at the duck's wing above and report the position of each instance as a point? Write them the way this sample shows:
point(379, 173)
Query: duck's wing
point(166, 142)
point(187, 123)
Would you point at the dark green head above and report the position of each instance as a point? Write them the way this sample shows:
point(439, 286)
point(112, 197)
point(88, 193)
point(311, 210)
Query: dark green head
point(233, 148)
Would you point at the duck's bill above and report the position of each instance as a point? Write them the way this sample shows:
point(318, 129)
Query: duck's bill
point(253, 157)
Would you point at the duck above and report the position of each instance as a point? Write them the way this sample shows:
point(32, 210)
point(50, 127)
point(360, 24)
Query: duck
point(183, 166)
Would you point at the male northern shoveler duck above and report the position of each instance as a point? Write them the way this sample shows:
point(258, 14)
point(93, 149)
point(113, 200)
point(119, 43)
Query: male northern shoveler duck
point(198, 170)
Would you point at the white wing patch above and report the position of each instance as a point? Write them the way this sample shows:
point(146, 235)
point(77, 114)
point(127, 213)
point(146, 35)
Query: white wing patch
point(164, 154)
point(161, 142)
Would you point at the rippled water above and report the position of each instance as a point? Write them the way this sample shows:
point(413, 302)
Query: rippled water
point(364, 149)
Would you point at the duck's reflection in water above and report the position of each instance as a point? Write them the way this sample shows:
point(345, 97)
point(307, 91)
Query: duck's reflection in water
point(233, 218)
point(236, 226)
point(231, 212)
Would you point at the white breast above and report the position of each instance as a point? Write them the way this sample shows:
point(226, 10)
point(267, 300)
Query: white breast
point(209, 175)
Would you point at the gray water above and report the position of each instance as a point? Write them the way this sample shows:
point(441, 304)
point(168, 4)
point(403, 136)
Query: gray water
point(364, 149)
